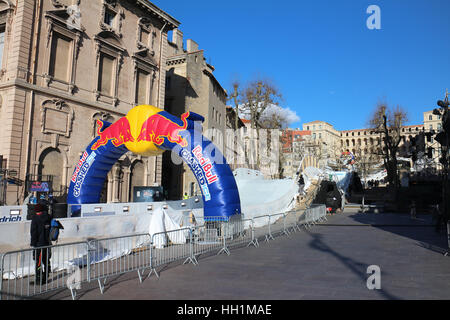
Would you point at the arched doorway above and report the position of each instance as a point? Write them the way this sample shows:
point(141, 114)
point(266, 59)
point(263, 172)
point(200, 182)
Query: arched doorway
point(137, 177)
point(51, 163)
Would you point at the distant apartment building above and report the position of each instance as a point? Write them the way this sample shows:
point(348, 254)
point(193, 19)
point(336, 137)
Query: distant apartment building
point(234, 146)
point(191, 86)
point(324, 140)
point(433, 123)
point(297, 153)
point(67, 63)
point(327, 143)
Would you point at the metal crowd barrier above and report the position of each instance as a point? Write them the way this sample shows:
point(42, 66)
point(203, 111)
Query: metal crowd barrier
point(313, 215)
point(170, 246)
point(448, 238)
point(116, 256)
point(29, 272)
point(75, 263)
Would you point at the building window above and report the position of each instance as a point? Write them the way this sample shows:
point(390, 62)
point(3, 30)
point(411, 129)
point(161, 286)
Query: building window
point(62, 46)
point(109, 17)
point(142, 87)
point(191, 189)
point(60, 57)
point(105, 79)
point(430, 117)
point(145, 37)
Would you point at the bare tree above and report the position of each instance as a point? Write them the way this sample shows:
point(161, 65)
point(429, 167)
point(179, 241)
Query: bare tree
point(255, 98)
point(235, 97)
point(388, 122)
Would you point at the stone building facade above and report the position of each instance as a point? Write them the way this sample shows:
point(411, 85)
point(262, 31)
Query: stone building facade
point(191, 86)
point(325, 139)
point(66, 63)
point(433, 123)
point(297, 152)
point(364, 141)
point(329, 143)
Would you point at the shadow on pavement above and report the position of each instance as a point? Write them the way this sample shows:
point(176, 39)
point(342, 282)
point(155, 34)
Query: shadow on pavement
point(422, 228)
point(356, 267)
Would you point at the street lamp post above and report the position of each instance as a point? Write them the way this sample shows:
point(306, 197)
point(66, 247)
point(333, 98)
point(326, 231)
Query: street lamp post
point(443, 138)
point(5, 175)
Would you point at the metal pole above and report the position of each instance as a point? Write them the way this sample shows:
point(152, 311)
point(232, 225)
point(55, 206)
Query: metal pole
point(1, 274)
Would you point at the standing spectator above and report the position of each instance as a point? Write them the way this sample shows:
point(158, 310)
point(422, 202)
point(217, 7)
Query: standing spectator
point(33, 198)
point(413, 209)
point(439, 218)
point(40, 237)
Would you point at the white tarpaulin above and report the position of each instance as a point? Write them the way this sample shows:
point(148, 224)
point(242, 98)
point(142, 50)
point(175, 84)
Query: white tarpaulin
point(342, 179)
point(310, 174)
point(263, 196)
point(160, 226)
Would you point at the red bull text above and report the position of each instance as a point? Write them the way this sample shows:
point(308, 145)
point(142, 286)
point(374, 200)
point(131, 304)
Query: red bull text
point(205, 164)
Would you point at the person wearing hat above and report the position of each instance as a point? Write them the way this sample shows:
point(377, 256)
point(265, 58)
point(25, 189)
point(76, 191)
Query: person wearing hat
point(40, 237)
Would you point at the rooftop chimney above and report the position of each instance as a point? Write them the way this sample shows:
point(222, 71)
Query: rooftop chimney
point(191, 45)
point(177, 38)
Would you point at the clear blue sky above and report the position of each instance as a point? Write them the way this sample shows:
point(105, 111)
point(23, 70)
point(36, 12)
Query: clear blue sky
point(327, 64)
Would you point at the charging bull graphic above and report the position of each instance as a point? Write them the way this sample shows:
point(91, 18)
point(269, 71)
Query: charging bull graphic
point(157, 127)
point(119, 133)
point(149, 131)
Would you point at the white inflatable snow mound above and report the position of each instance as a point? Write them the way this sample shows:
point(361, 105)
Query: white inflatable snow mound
point(263, 196)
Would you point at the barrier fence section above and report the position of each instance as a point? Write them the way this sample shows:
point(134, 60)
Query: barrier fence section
point(29, 272)
point(448, 238)
point(314, 214)
point(170, 246)
point(72, 264)
point(118, 255)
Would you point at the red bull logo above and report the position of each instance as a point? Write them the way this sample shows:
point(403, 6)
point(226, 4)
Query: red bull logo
point(119, 133)
point(157, 127)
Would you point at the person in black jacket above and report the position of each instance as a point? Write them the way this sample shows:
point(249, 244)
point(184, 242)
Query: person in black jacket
point(40, 237)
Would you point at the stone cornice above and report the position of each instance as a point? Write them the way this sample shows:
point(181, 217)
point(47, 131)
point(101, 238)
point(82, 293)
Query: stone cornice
point(172, 23)
point(62, 95)
point(178, 59)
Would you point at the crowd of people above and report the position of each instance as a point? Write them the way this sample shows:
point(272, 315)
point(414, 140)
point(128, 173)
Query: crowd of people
point(373, 183)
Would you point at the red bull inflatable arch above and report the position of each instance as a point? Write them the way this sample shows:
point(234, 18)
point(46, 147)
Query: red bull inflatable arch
point(149, 131)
